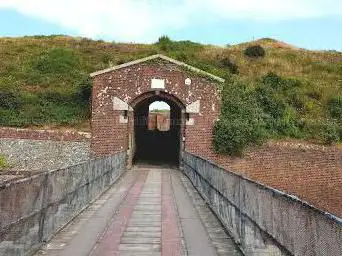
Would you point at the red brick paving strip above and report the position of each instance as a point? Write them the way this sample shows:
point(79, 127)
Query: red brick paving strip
point(110, 241)
point(171, 240)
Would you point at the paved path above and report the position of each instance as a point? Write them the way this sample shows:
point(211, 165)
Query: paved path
point(148, 211)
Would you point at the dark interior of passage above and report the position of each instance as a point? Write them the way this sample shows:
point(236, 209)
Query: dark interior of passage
point(155, 146)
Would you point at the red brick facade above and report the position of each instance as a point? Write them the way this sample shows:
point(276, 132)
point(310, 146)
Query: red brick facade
point(159, 121)
point(132, 85)
point(311, 172)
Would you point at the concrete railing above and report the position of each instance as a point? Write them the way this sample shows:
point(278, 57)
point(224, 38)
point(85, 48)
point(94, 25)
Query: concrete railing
point(264, 221)
point(33, 209)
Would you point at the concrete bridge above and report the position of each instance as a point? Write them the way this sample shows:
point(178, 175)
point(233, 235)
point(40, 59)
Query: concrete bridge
point(100, 208)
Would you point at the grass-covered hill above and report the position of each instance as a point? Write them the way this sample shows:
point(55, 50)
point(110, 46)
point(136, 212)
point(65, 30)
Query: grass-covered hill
point(296, 92)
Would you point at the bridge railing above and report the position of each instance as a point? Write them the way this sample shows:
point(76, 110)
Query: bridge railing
point(264, 221)
point(33, 209)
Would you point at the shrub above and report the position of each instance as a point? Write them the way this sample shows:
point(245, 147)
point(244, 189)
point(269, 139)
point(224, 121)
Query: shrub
point(58, 60)
point(323, 131)
point(107, 58)
point(241, 122)
point(49, 97)
point(270, 102)
point(330, 134)
point(335, 107)
point(9, 100)
point(281, 100)
point(276, 82)
point(227, 63)
point(255, 51)
point(182, 56)
point(84, 92)
point(164, 43)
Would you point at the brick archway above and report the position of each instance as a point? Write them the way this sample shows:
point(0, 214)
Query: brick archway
point(118, 92)
point(149, 146)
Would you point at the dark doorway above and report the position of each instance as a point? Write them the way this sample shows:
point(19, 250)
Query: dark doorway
point(157, 132)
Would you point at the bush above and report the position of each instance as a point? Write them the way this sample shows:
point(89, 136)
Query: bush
point(281, 100)
point(324, 131)
point(164, 43)
point(227, 63)
point(107, 59)
point(241, 122)
point(9, 100)
point(330, 134)
point(327, 132)
point(58, 60)
point(276, 82)
point(49, 97)
point(255, 51)
point(335, 107)
point(84, 92)
point(270, 102)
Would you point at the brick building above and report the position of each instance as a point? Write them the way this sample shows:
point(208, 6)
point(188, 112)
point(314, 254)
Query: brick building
point(120, 106)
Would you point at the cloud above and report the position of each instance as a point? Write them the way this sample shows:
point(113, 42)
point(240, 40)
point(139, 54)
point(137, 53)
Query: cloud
point(145, 20)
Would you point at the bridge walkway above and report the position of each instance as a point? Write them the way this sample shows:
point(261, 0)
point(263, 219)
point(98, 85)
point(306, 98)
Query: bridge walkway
point(149, 211)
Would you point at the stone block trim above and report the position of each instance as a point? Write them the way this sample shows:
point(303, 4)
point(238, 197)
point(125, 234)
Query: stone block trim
point(54, 135)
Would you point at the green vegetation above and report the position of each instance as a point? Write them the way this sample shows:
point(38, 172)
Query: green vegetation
point(273, 107)
point(242, 121)
point(255, 51)
point(284, 93)
point(3, 162)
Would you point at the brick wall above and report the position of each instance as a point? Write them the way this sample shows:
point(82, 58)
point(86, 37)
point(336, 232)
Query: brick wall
point(54, 135)
point(132, 84)
point(311, 172)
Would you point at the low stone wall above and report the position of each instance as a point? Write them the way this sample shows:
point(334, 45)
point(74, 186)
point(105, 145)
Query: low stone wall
point(41, 155)
point(263, 220)
point(33, 209)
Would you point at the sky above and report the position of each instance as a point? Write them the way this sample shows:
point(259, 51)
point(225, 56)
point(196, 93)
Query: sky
point(311, 24)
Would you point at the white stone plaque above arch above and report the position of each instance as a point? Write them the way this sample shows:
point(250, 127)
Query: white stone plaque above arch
point(157, 83)
point(193, 107)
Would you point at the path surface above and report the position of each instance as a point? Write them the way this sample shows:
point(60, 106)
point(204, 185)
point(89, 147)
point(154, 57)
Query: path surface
point(148, 211)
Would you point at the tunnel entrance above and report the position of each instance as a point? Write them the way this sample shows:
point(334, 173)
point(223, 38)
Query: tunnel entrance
point(157, 131)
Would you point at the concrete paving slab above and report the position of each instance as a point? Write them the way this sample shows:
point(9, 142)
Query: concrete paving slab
point(164, 214)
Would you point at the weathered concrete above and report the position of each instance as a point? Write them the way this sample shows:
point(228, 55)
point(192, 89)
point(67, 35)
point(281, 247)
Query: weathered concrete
point(34, 208)
point(202, 231)
point(263, 220)
point(148, 212)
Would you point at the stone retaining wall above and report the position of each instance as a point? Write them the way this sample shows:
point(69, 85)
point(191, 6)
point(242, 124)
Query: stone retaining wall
point(33, 209)
point(263, 220)
point(55, 135)
point(41, 155)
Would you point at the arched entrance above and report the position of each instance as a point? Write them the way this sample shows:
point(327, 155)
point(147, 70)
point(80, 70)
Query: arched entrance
point(157, 135)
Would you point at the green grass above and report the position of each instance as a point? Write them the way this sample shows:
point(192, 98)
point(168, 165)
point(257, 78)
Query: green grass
point(3, 162)
point(44, 81)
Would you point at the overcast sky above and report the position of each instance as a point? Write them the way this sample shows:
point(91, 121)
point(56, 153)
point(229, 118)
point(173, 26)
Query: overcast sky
point(312, 24)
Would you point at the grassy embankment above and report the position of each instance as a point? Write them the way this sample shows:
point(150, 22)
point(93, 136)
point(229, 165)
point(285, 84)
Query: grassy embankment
point(294, 92)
